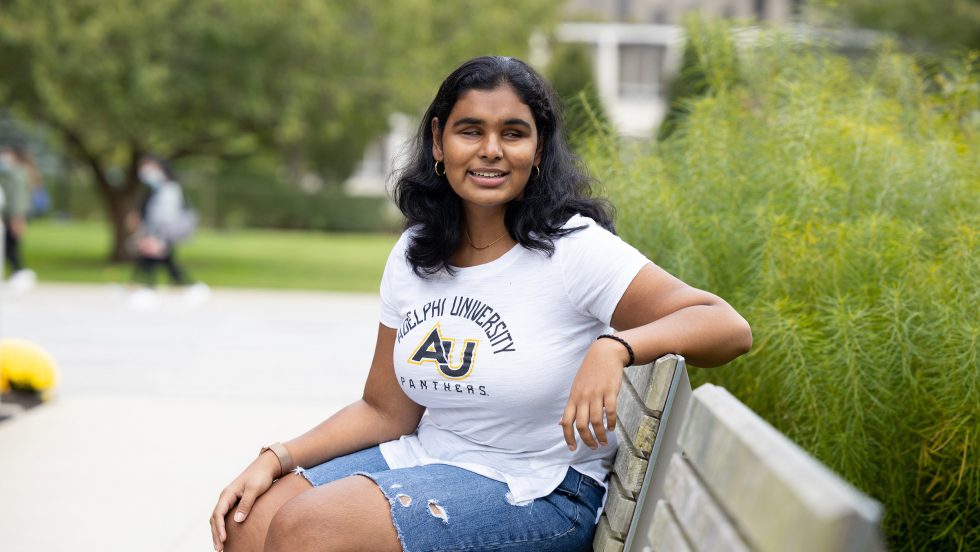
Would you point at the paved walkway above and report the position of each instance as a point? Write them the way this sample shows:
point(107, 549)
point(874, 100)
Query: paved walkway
point(158, 410)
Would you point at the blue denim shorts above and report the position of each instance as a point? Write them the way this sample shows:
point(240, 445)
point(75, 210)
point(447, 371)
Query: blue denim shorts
point(440, 507)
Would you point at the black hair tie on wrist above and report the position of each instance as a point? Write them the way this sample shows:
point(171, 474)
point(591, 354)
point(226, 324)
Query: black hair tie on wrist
point(625, 344)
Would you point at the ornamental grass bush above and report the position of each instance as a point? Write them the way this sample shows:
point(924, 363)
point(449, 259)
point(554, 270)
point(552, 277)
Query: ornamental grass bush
point(836, 204)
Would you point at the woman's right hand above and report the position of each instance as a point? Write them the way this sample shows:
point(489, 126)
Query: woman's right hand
point(244, 490)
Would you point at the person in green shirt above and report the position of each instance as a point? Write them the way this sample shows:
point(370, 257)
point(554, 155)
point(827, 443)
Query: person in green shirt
point(15, 184)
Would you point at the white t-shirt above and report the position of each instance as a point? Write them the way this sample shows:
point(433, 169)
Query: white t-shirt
point(491, 353)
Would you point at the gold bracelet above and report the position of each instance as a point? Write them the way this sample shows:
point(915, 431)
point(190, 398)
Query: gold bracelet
point(286, 464)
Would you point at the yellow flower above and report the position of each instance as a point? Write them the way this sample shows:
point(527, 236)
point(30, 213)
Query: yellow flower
point(24, 364)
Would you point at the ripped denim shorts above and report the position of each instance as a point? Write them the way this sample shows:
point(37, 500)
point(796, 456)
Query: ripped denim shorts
point(440, 507)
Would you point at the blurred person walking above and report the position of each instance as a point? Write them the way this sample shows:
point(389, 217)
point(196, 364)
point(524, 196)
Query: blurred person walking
point(162, 222)
point(16, 167)
point(40, 199)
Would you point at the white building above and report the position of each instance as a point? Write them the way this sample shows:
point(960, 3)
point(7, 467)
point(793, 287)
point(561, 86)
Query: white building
point(381, 157)
point(635, 46)
point(632, 64)
point(671, 12)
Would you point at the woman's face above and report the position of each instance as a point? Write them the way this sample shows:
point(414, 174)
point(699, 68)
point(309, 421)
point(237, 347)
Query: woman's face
point(489, 146)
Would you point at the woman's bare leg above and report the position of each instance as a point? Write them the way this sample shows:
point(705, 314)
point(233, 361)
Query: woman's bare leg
point(249, 535)
point(348, 514)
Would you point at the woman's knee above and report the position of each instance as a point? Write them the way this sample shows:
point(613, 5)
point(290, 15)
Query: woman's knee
point(349, 514)
point(250, 534)
point(289, 526)
point(245, 536)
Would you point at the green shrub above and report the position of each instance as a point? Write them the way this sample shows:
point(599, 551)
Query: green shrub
point(255, 194)
point(570, 72)
point(839, 211)
point(247, 195)
point(715, 48)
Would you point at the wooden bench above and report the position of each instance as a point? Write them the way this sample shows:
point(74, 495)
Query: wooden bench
point(699, 471)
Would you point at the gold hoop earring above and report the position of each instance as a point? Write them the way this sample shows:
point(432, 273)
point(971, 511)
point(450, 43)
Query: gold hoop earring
point(537, 174)
point(435, 169)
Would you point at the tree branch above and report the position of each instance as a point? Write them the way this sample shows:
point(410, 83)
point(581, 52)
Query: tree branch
point(77, 143)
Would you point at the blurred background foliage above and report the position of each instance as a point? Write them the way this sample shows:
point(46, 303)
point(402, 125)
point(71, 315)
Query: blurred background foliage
point(836, 204)
point(924, 24)
point(570, 73)
point(311, 81)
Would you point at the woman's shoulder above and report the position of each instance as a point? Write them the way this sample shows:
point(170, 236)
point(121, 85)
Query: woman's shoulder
point(586, 241)
point(583, 231)
point(406, 237)
point(399, 251)
point(577, 221)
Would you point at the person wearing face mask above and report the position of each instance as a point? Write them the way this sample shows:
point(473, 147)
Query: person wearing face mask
point(161, 223)
point(15, 186)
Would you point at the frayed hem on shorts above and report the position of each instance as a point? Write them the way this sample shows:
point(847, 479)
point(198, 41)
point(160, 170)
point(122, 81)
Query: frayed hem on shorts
point(393, 502)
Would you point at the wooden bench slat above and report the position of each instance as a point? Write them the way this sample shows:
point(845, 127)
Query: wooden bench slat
point(629, 466)
point(705, 524)
point(639, 423)
point(666, 534)
point(619, 507)
point(778, 497)
point(605, 540)
point(664, 447)
point(636, 423)
point(652, 382)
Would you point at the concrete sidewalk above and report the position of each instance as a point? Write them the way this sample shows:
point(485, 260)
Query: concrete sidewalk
point(158, 410)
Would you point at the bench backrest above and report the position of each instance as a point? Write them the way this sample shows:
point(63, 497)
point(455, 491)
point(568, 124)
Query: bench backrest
point(721, 478)
point(648, 400)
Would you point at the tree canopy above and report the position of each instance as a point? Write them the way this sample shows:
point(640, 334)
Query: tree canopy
point(570, 72)
point(947, 24)
point(312, 79)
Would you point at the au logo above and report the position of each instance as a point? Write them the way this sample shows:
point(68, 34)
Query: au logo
point(439, 351)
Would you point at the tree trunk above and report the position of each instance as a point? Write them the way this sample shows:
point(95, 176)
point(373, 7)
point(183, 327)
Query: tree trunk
point(119, 202)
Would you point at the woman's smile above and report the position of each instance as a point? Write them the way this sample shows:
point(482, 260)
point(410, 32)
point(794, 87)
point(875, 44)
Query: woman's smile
point(489, 178)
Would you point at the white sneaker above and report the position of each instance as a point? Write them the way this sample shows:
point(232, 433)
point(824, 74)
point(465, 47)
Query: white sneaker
point(22, 281)
point(144, 299)
point(196, 294)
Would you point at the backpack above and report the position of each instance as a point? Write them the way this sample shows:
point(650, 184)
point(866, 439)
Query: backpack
point(176, 229)
point(183, 226)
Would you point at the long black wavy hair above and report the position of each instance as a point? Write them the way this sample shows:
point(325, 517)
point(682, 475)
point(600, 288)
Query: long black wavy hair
point(561, 190)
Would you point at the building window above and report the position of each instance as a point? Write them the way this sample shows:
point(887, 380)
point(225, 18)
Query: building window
point(623, 10)
point(760, 9)
point(640, 68)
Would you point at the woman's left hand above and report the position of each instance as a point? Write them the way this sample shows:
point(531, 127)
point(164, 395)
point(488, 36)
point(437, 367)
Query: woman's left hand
point(593, 392)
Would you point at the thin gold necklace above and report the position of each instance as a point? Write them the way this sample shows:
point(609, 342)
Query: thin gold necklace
point(487, 246)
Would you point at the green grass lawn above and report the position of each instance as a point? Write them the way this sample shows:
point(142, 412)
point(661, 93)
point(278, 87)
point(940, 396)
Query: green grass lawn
point(76, 252)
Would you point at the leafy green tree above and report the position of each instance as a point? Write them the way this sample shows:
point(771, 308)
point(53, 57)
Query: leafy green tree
point(570, 72)
point(314, 80)
point(709, 63)
point(943, 23)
